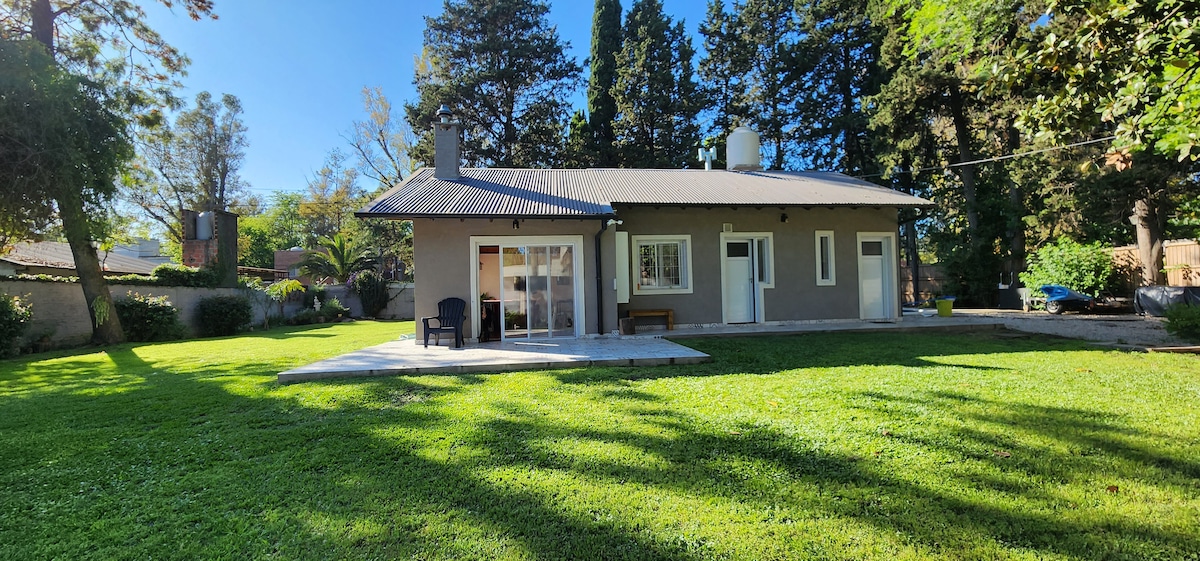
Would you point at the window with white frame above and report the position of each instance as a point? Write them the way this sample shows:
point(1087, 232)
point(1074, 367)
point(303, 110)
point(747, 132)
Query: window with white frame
point(662, 264)
point(826, 275)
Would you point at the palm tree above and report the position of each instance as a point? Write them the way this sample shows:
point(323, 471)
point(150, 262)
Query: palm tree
point(340, 260)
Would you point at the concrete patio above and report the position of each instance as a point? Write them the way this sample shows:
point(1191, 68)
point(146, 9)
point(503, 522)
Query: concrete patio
point(409, 357)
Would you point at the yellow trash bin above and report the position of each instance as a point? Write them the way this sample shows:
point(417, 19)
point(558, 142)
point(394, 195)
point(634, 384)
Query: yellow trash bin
point(945, 306)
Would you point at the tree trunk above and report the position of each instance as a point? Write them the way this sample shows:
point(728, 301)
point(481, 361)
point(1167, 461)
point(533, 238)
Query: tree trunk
point(1150, 242)
point(106, 327)
point(914, 259)
point(962, 133)
point(41, 15)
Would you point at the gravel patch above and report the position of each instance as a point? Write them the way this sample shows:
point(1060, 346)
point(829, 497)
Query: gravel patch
point(1124, 329)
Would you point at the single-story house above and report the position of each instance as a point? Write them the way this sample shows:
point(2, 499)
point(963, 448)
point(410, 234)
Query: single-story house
point(540, 253)
point(55, 258)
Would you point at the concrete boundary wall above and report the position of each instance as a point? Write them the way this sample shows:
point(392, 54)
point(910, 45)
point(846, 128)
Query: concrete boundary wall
point(60, 312)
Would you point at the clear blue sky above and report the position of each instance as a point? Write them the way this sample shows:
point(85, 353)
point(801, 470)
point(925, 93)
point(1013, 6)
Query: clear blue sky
point(299, 67)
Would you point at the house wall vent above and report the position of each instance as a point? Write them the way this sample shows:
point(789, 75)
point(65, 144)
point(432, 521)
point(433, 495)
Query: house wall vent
point(741, 150)
point(727, 227)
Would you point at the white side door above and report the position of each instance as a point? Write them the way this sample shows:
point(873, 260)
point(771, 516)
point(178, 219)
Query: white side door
point(739, 282)
point(875, 279)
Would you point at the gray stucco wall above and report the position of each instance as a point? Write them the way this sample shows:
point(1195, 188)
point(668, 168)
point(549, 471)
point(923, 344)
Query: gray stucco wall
point(59, 309)
point(796, 295)
point(442, 262)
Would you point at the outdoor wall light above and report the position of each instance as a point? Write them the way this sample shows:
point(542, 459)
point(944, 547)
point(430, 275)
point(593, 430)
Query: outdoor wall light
point(516, 224)
point(783, 218)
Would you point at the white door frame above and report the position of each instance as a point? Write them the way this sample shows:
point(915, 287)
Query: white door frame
point(576, 243)
point(752, 237)
point(891, 287)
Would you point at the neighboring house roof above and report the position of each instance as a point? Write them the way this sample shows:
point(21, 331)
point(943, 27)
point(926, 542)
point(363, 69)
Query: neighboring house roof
point(57, 255)
point(553, 193)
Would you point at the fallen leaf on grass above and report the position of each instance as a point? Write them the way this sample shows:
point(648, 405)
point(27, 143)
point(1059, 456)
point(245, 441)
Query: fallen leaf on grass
point(1112, 489)
point(1082, 370)
point(885, 432)
point(1003, 454)
point(773, 403)
point(735, 432)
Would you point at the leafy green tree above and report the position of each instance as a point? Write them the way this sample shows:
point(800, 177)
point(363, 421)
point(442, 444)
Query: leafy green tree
point(502, 68)
point(191, 166)
point(126, 60)
point(1131, 70)
point(1132, 64)
point(602, 108)
point(333, 196)
point(341, 258)
point(384, 147)
point(62, 146)
point(279, 227)
point(657, 97)
point(1086, 268)
point(382, 142)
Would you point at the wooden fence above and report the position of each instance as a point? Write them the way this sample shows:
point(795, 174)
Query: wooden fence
point(931, 278)
point(1181, 259)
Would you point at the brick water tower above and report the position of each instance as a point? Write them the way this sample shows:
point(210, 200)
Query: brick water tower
point(210, 240)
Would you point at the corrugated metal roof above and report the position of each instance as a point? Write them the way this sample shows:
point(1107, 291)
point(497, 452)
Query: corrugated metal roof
point(493, 192)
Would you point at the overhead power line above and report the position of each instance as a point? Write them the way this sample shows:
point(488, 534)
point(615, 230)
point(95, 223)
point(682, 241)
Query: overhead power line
point(996, 159)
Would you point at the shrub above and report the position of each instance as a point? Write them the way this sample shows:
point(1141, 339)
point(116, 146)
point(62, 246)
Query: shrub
point(149, 318)
point(182, 275)
point(223, 315)
point(1183, 321)
point(372, 292)
point(333, 308)
point(1085, 268)
point(14, 320)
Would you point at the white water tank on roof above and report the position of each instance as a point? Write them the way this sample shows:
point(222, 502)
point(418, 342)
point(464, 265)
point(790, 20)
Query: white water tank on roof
point(741, 150)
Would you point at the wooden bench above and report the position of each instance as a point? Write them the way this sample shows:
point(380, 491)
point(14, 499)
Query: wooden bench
point(668, 314)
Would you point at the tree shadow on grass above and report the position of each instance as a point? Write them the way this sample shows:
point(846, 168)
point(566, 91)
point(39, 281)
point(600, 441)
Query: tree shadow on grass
point(770, 354)
point(187, 464)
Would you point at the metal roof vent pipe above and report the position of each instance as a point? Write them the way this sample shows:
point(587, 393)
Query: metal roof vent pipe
point(445, 145)
point(741, 150)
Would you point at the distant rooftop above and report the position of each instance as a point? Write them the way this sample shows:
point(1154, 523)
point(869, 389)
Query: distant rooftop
point(57, 255)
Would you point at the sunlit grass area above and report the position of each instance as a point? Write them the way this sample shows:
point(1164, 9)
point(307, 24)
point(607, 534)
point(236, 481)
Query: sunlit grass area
point(822, 446)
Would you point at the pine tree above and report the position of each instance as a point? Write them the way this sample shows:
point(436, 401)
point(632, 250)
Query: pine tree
point(722, 72)
point(837, 61)
point(656, 93)
point(602, 108)
point(768, 29)
point(502, 68)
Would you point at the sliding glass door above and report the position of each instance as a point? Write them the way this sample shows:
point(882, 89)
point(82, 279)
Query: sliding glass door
point(538, 291)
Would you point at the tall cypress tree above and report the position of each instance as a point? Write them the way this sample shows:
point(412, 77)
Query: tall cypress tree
point(656, 94)
point(602, 108)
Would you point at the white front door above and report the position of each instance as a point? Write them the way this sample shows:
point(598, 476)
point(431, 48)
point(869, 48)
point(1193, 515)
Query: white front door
point(740, 286)
point(875, 279)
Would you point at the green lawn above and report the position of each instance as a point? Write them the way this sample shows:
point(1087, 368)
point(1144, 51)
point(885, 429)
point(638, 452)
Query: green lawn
point(824, 446)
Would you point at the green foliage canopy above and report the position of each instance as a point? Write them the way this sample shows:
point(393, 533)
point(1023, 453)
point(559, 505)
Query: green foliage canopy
point(1086, 268)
